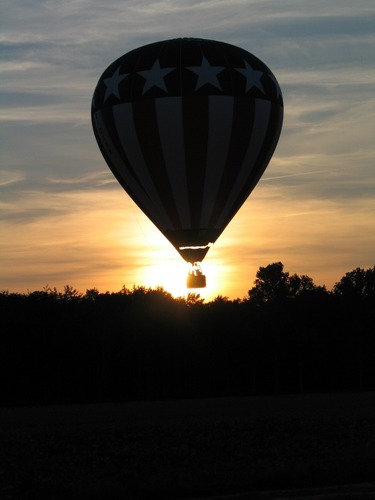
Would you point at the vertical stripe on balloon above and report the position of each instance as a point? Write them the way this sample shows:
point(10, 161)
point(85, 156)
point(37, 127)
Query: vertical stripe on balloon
point(240, 134)
point(148, 138)
point(195, 123)
point(169, 118)
point(219, 132)
point(117, 161)
point(125, 127)
point(246, 172)
point(265, 154)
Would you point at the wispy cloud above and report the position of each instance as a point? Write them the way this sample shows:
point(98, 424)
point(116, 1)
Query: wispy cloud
point(65, 217)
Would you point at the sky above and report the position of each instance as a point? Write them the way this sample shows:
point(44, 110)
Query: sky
point(66, 221)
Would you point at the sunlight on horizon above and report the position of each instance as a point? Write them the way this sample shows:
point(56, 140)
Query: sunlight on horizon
point(170, 274)
point(165, 268)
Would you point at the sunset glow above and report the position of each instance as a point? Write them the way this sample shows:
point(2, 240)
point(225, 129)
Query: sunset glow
point(64, 217)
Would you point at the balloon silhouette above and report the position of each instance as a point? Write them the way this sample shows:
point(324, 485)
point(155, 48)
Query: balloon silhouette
point(187, 127)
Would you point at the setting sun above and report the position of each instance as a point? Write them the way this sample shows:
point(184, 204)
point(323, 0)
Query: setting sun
point(65, 219)
point(169, 270)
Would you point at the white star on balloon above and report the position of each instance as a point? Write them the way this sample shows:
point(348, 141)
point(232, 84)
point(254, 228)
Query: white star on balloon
point(206, 74)
point(252, 77)
point(112, 84)
point(155, 77)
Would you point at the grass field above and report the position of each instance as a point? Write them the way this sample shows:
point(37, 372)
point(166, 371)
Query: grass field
point(187, 448)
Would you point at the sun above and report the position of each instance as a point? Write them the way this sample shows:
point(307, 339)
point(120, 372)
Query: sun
point(157, 264)
point(171, 275)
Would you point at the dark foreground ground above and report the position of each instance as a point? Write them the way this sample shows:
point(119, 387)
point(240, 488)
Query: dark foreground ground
point(190, 448)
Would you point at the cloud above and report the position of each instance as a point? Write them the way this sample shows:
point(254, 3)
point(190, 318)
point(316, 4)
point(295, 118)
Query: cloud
point(308, 236)
point(76, 234)
point(67, 220)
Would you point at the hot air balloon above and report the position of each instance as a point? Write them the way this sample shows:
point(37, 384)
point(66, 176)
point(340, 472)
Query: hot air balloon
point(187, 127)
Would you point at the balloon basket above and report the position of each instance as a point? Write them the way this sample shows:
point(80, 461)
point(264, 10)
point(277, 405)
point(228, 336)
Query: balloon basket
point(195, 277)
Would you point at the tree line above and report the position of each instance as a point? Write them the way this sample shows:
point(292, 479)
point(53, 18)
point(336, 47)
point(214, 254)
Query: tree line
point(287, 336)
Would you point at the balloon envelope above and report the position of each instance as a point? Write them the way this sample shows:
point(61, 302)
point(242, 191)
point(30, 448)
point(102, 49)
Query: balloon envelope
point(188, 126)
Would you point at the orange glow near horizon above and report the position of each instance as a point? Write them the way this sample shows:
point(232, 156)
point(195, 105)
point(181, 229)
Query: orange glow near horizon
point(169, 271)
point(65, 219)
point(105, 242)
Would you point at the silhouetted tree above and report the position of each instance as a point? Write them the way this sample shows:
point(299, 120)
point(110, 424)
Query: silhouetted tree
point(141, 343)
point(273, 284)
point(192, 299)
point(359, 283)
point(92, 294)
point(270, 284)
point(299, 284)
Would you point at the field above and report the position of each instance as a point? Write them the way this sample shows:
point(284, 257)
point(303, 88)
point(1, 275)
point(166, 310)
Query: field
point(186, 448)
